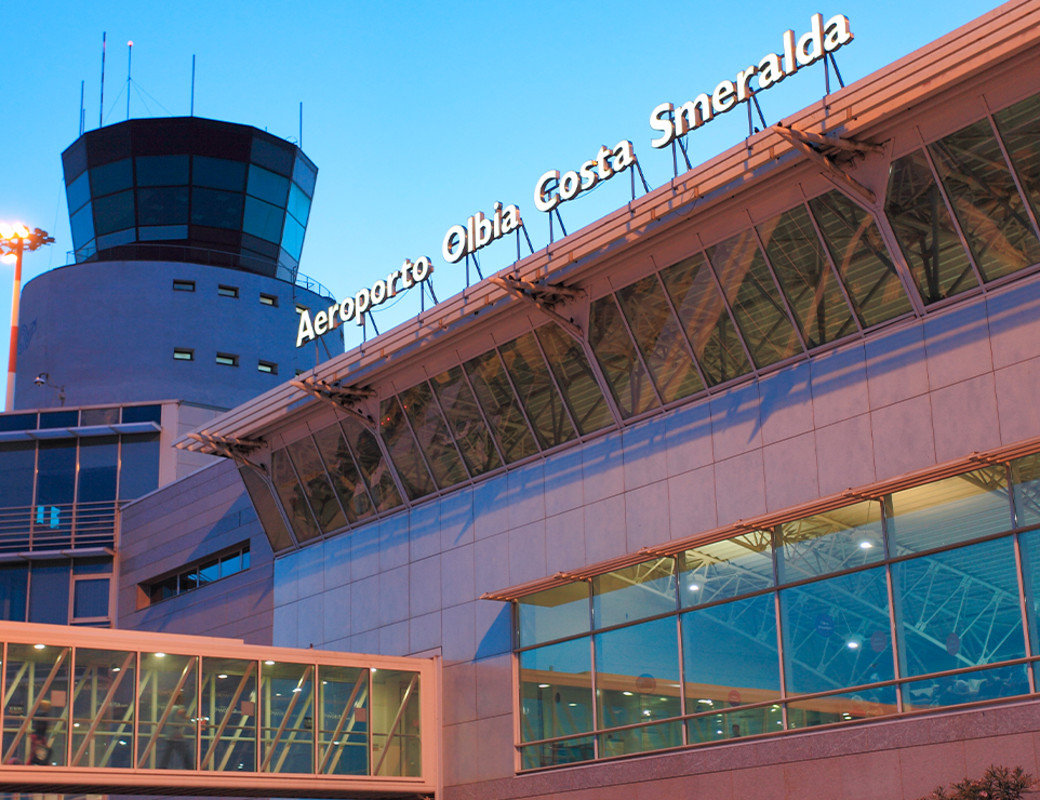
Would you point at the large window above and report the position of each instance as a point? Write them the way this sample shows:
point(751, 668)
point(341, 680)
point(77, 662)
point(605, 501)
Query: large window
point(899, 604)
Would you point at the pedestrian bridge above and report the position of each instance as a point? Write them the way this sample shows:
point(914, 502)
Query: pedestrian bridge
point(97, 711)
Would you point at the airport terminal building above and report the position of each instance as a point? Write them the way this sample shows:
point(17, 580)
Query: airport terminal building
point(734, 492)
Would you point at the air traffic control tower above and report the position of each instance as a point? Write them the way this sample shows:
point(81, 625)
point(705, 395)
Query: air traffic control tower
point(187, 236)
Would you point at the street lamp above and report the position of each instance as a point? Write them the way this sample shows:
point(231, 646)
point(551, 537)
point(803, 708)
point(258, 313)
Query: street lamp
point(14, 240)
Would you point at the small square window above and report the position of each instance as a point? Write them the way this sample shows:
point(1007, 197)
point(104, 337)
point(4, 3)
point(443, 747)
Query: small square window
point(300, 309)
point(184, 286)
point(227, 291)
point(268, 299)
point(227, 359)
point(183, 354)
point(267, 366)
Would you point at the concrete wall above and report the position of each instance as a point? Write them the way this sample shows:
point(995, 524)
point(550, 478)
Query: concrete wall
point(916, 395)
point(210, 511)
point(106, 331)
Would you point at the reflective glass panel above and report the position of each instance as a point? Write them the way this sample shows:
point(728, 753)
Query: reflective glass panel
point(952, 510)
point(555, 690)
point(575, 378)
point(407, 458)
point(98, 469)
point(370, 461)
point(1030, 543)
point(660, 339)
point(168, 711)
point(1025, 476)
point(709, 327)
point(17, 470)
point(287, 725)
point(553, 613)
point(263, 220)
point(501, 407)
point(216, 209)
point(734, 724)
point(967, 687)
point(293, 498)
point(724, 569)
point(292, 237)
point(90, 598)
point(842, 707)
point(645, 738)
point(304, 174)
point(36, 704)
point(315, 482)
point(730, 655)
point(229, 711)
point(830, 542)
point(837, 633)
point(299, 204)
point(463, 415)
point(155, 233)
point(343, 721)
point(922, 224)
point(49, 588)
point(396, 746)
point(862, 260)
point(806, 277)
point(266, 509)
point(617, 357)
point(14, 591)
point(111, 177)
point(643, 590)
point(114, 212)
point(959, 608)
point(432, 433)
point(1019, 127)
point(103, 708)
point(162, 170)
point(78, 192)
point(543, 404)
point(755, 301)
point(99, 416)
point(563, 751)
point(55, 486)
point(139, 465)
point(991, 212)
point(637, 673)
point(346, 479)
point(164, 205)
point(82, 223)
point(218, 173)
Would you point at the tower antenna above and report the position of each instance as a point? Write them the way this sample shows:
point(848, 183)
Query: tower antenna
point(301, 124)
point(129, 60)
point(101, 110)
point(192, 113)
point(82, 112)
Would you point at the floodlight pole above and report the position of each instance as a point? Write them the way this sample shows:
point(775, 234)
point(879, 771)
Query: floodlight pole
point(15, 240)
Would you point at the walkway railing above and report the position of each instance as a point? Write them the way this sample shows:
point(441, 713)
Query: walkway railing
point(134, 712)
point(57, 527)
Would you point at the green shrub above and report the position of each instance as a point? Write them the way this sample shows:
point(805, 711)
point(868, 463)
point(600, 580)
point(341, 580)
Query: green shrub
point(999, 783)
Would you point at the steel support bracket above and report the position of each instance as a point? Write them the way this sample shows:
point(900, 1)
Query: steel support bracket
point(830, 152)
point(545, 297)
point(231, 447)
point(342, 397)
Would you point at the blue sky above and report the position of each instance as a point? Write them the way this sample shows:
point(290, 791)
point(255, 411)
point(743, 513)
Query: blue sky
point(418, 114)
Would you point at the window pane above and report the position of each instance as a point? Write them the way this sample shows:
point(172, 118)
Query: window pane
point(14, 591)
point(316, 485)
point(219, 173)
point(299, 204)
point(99, 416)
point(263, 220)
point(292, 237)
point(861, 257)
point(112, 177)
point(292, 496)
point(216, 209)
point(370, 461)
point(162, 205)
point(266, 509)
point(1030, 543)
point(1019, 127)
point(555, 690)
point(90, 598)
point(304, 174)
point(267, 185)
point(734, 724)
point(837, 633)
point(98, 469)
point(967, 687)
point(708, 325)
point(959, 608)
point(57, 473)
point(139, 467)
point(1025, 473)
point(806, 278)
point(753, 296)
point(114, 213)
point(229, 739)
point(617, 357)
point(660, 339)
point(17, 468)
point(636, 592)
point(167, 706)
point(37, 681)
point(142, 414)
point(831, 542)
point(162, 170)
point(842, 707)
point(925, 232)
point(730, 656)
point(991, 211)
point(724, 569)
point(433, 435)
point(501, 407)
point(409, 462)
point(543, 404)
point(565, 751)
point(952, 510)
point(460, 407)
point(49, 592)
point(637, 673)
point(78, 192)
point(346, 479)
point(287, 730)
point(343, 741)
point(553, 613)
point(82, 223)
point(575, 378)
point(103, 708)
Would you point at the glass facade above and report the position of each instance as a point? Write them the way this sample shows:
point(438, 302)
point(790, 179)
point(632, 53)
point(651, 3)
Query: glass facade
point(189, 190)
point(919, 599)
